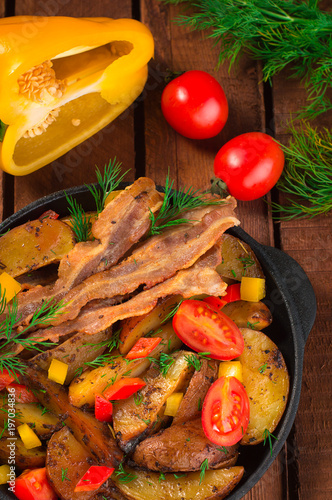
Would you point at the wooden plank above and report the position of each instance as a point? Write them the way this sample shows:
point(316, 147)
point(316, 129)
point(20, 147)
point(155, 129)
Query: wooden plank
point(178, 49)
point(117, 139)
point(309, 242)
point(191, 162)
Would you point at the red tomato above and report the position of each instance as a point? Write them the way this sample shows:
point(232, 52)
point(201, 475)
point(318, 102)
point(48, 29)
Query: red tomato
point(94, 478)
point(195, 105)
point(143, 347)
point(34, 485)
point(225, 412)
point(250, 165)
point(215, 302)
point(206, 329)
point(124, 388)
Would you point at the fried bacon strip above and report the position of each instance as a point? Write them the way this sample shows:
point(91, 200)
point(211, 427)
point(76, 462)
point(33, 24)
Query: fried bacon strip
point(159, 258)
point(200, 278)
point(120, 225)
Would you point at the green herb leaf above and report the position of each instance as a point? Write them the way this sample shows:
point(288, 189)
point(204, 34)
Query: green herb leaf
point(267, 435)
point(81, 223)
point(3, 128)
point(64, 474)
point(123, 476)
point(204, 467)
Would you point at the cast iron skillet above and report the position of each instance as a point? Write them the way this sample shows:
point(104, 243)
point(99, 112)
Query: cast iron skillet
point(290, 298)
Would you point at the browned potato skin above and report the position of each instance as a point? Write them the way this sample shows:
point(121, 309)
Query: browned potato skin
point(94, 435)
point(196, 392)
point(182, 447)
point(233, 251)
point(43, 424)
point(266, 380)
point(24, 459)
point(74, 352)
point(217, 484)
point(133, 329)
point(65, 453)
point(33, 245)
point(255, 315)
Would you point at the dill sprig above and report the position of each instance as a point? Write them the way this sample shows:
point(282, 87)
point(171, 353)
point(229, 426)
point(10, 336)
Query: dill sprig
point(267, 435)
point(123, 476)
point(109, 344)
point(307, 174)
point(279, 33)
point(176, 202)
point(3, 128)
point(195, 361)
point(8, 335)
point(81, 223)
point(163, 363)
point(106, 183)
point(204, 467)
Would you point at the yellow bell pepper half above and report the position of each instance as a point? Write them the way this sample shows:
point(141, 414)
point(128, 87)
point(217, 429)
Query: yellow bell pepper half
point(62, 80)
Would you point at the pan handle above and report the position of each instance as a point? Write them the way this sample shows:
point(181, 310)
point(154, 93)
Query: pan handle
point(298, 288)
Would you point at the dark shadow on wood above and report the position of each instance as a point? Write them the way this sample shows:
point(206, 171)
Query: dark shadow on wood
point(9, 8)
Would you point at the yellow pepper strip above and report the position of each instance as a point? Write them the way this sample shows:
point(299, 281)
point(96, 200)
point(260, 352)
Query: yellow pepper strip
point(28, 436)
point(9, 286)
point(4, 474)
point(173, 403)
point(58, 371)
point(62, 80)
point(252, 289)
point(231, 369)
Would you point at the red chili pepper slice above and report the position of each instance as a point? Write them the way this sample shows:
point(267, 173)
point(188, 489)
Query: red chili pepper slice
point(103, 409)
point(143, 347)
point(124, 388)
point(94, 478)
point(22, 393)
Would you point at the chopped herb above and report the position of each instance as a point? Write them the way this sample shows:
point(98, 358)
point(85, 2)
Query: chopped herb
point(252, 325)
point(177, 476)
point(64, 474)
point(188, 439)
point(123, 476)
point(138, 398)
point(3, 128)
point(223, 448)
point(127, 373)
point(267, 435)
point(204, 467)
point(233, 273)
point(262, 368)
point(80, 223)
point(246, 262)
point(199, 404)
point(162, 477)
point(164, 363)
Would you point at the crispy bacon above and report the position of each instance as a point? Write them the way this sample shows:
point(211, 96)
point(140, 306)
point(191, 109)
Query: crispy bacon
point(119, 226)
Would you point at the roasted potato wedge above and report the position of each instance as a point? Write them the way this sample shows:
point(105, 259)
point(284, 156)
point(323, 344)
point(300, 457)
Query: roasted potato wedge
point(74, 352)
point(217, 484)
point(94, 435)
point(254, 315)
point(40, 419)
point(266, 380)
point(35, 244)
point(13, 448)
point(133, 422)
point(65, 453)
point(182, 448)
point(191, 404)
point(238, 260)
point(82, 390)
point(134, 328)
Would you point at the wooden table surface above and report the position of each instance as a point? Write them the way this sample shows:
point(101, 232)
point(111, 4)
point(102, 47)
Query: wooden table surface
point(146, 145)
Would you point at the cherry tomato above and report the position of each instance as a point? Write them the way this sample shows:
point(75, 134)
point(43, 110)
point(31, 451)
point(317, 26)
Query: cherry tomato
point(195, 105)
point(33, 485)
point(206, 329)
point(250, 165)
point(225, 412)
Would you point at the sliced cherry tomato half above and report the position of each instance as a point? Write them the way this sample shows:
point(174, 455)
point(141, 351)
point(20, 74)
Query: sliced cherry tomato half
point(34, 485)
point(22, 393)
point(94, 478)
point(49, 214)
point(143, 347)
point(205, 329)
point(103, 409)
point(124, 388)
point(225, 412)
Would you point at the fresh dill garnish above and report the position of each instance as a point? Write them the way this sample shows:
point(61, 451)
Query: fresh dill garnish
point(106, 183)
point(199, 405)
point(307, 175)
point(246, 262)
point(80, 223)
point(162, 477)
point(100, 361)
point(138, 398)
point(204, 467)
point(42, 317)
point(267, 435)
point(174, 204)
point(222, 448)
point(64, 474)
point(279, 33)
point(110, 344)
point(193, 359)
point(252, 325)
point(3, 128)
point(123, 476)
point(262, 368)
point(163, 363)
point(173, 310)
point(233, 273)
point(177, 476)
